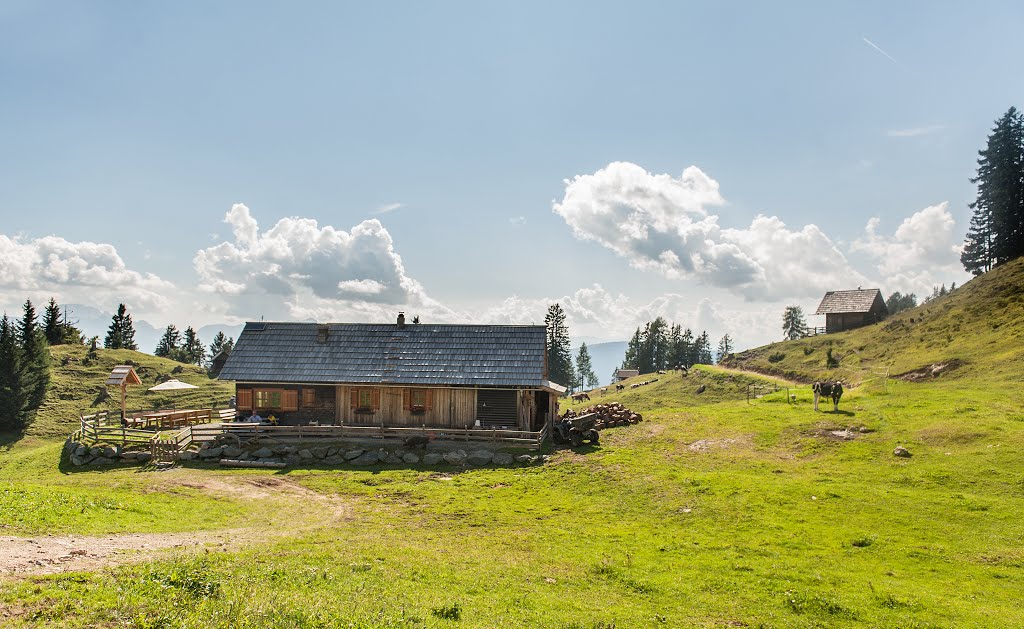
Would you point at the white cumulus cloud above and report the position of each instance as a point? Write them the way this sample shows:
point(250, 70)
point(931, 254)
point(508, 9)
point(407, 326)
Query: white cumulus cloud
point(299, 269)
point(75, 272)
point(663, 223)
point(923, 252)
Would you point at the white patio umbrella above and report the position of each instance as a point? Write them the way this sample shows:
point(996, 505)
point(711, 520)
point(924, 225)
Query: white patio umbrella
point(173, 385)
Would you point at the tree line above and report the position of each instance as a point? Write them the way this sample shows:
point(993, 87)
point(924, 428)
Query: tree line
point(996, 232)
point(25, 362)
point(658, 346)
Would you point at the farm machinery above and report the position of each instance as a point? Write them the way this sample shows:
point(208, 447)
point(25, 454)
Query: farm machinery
point(576, 430)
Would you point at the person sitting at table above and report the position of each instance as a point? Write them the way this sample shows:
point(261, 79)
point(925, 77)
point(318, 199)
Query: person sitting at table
point(255, 418)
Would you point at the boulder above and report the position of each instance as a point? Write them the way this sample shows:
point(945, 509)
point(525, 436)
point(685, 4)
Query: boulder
point(143, 457)
point(210, 453)
point(432, 458)
point(457, 457)
point(526, 459)
point(95, 451)
point(306, 454)
point(81, 450)
point(410, 458)
point(292, 460)
point(332, 452)
point(128, 456)
point(245, 456)
point(231, 451)
point(110, 452)
point(392, 459)
point(502, 458)
point(102, 460)
point(351, 455)
point(367, 458)
point(283, 449)
point(479, 458)
point(79, 460)
point(263, 453)
point(187, 455)
point(902, 452)
point(333, 460)
point(320, 453)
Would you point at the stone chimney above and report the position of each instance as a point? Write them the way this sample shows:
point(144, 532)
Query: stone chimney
point(401, 319)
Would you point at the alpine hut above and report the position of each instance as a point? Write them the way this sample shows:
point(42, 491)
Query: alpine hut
point(848, 309)
point(395, 375)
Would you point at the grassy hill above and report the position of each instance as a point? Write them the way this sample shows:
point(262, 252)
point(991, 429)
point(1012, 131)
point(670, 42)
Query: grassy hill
point(977, 332)
point(76, 382)
point(715, 511)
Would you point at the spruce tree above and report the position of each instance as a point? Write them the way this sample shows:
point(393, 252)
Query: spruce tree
point(53, 327)
point(685, 350)
point(996, 233)
point(121, 334)
point(724, 347)
point(585, 367)
point(793, 324)
point(630, 361)
point(35, 358)
point(221, 342)
point(703, 347)
point(560, 369)
point(168, 342)
point(13, 397)
point(195, 352)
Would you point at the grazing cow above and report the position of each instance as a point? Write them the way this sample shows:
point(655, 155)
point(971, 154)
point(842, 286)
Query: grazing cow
point(620, 387)
point(832, 390)
point(417, 441)
point(604, 390)
point(579, 397)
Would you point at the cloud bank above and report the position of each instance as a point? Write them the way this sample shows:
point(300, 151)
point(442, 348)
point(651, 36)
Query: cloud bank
point(76, 272)
point(298, 269)
point(663, 223)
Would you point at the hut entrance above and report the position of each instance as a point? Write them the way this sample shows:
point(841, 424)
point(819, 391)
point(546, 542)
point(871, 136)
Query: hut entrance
point(541, 407)
point(496, 408)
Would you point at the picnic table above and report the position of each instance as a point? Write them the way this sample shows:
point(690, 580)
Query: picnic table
point(166, 419)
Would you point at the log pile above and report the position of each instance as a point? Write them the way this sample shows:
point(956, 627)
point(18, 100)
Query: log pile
point(607, 415)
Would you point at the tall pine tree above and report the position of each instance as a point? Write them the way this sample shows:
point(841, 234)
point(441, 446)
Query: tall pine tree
point(794, 326)
point(194, 351)
point(560, 369)
point(724, 347)
point(121, 334)
point(13, 396)
point(996, 233)
point(53, 327)
point(585, 367)
point(168, 342)
point(35, 358)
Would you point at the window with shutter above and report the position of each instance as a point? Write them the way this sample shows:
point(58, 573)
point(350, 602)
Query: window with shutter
point(308, 397)
point(290, 400)
point(243, 399)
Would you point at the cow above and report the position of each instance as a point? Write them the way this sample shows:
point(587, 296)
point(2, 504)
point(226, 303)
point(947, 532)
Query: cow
point(832, 390)
point(579, 397)
point(417, 441)
point(620, 387)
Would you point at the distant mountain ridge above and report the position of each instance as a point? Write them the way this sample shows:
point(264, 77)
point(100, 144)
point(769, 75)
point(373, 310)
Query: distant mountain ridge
point(94, 322)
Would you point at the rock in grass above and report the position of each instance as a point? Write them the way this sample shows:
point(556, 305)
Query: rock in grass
point(432, 458)
point(526, 459)
point(479, 458)
point(455, 458)
point(902, 452)
point(502, 458)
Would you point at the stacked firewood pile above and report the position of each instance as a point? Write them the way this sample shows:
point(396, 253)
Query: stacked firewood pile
point(613, 414)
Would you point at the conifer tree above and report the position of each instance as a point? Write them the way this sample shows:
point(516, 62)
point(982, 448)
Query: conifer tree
point(585, 368)
point(194, 351)
point(631, 359)
point(724, 347)
point(793, 324)
point(35, 358)
point(221, 342)
point(703, 349)
point(13, 398)
point(996, 233)
point(168, 342)
point(121, 334)
point(53, 327)
point(685, 351)
point(559, 350)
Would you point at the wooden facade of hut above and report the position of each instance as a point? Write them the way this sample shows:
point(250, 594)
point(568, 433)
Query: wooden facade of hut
point(395, 375)
point(848, 309)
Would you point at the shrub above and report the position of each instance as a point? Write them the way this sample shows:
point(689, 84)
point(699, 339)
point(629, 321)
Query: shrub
point(448, 612)
point(776, 357)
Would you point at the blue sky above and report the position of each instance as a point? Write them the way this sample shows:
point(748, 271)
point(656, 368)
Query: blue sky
point(478, 161)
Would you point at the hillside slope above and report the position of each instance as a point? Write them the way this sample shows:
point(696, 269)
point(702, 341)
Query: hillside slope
point(76, 383)
point(976, 331)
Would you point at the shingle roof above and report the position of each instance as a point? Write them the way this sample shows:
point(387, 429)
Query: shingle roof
point(836, 301)
point(414, 354)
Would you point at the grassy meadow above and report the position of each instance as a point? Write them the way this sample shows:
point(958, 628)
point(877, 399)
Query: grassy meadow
point(715, 511)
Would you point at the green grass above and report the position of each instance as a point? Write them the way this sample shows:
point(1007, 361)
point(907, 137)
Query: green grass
point(714, 511)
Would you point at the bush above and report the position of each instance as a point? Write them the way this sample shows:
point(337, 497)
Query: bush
point(776, 357)
point(448, 612)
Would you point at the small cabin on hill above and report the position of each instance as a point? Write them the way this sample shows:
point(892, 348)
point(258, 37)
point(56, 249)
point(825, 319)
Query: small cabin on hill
point(625, 374)
point(848, 309)
point(395, 375)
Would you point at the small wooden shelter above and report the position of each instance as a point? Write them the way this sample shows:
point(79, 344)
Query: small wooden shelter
point(848, 309)
point(625, 374)
point(122, 376)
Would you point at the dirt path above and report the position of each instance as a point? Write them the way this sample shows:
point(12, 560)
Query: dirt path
point(303, 509)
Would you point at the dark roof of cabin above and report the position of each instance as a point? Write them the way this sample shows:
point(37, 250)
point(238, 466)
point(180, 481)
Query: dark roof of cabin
point(414, 354)
point(836, 301)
